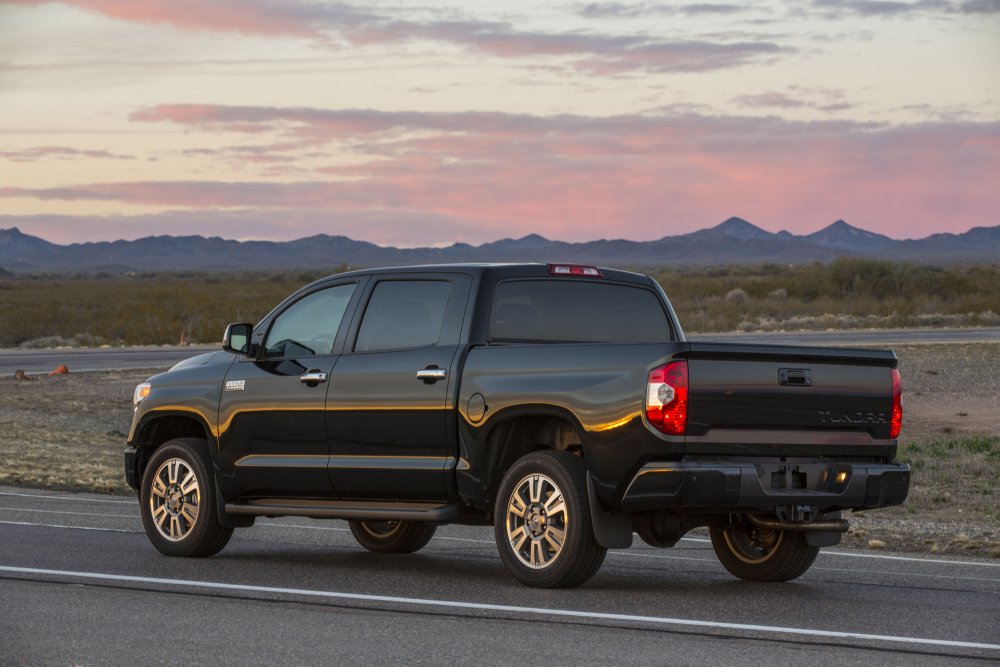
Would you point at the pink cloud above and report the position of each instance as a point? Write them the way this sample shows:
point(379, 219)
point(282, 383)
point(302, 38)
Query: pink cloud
point(255, 17)
point(38, 153)
point(335, 24)
point(577, 177)
point(770, 99)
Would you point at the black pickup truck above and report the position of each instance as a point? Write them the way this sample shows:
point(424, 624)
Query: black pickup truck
point(559, 403)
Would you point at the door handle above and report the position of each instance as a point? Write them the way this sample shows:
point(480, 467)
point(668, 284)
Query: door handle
point(432, 374)
point(313, 378)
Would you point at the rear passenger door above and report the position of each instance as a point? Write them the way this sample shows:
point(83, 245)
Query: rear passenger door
point(390, 424)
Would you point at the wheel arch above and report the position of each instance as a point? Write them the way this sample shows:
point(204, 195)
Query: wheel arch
point(520, 430)
point(159, 427)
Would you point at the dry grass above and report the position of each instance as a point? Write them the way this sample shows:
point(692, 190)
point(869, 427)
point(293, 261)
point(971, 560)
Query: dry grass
point(136, 309)
point(847, 293)
point(844, 294)
point(952, 506)
point(951, 422)
point(955, 476)
point(66, 432)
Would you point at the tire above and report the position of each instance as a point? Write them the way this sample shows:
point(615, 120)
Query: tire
point(760, 554)
point(392, 537)
point(545, 542)
point(178, 502)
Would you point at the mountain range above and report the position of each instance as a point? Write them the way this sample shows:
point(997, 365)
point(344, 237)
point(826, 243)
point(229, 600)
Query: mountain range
point(734, 241)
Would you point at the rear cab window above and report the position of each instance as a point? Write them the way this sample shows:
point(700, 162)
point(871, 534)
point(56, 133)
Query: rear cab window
point(577, 311)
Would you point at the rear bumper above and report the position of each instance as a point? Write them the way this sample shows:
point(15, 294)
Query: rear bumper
point(750, 486)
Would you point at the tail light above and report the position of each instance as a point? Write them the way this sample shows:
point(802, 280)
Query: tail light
point(667, 398)
point(897, 404)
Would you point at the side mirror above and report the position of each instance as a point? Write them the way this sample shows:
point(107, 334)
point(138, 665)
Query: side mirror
point(237, 338)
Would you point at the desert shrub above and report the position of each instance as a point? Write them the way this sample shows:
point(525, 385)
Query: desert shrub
point(737, 296)
point(141, 309)
point(149, 309)
point(846, 293)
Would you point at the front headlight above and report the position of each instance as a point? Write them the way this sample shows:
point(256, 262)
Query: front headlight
point(141, 392)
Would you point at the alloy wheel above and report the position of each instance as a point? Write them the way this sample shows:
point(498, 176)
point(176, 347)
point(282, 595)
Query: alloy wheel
point(537, 521)
point(175, 499)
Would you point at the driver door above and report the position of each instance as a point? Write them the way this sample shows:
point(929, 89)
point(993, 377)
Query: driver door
point(272, 425)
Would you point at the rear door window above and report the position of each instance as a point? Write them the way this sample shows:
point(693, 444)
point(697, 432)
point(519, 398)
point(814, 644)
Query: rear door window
point(403, 314)
point(570, 311)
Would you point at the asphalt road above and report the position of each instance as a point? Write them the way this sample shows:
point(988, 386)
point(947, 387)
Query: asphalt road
point(124, 358)
point(80, 584)
point(97, 359)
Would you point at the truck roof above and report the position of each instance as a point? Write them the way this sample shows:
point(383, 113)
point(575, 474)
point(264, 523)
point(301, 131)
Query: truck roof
point(501, 271)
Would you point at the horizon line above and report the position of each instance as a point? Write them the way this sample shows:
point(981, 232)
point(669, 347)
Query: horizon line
point(442, 246)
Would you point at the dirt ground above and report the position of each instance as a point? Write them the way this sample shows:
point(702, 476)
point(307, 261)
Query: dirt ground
point(951, 439)
point(949, 390)
point(68, 432)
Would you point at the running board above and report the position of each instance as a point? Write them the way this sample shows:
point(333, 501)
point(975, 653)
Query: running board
point(347, 509)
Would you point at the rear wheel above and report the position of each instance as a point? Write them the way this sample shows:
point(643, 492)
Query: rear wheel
point(762, 554)
point(395, 537)
point(542, 522)
point(177, 501)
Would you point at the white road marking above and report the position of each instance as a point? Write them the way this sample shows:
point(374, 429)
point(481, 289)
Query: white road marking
point(901, 574)
point(53, 525)
point(634, 554)
point(510, 609)
point(881, 556)
point(22, 509)
point(909, 558)
point(85, 500)
point(816, 567)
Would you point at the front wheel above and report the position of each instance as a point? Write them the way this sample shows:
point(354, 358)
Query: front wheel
point(762, 554)
point(392, 537)
point(542, 522)
point(177, 501)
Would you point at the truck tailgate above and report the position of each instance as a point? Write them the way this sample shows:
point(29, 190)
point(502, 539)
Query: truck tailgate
point(786, 394)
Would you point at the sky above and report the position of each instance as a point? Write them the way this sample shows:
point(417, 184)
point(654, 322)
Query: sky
point(428, 123)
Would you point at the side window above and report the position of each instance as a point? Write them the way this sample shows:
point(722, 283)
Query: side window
point(309, 326)
point(403, 314)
